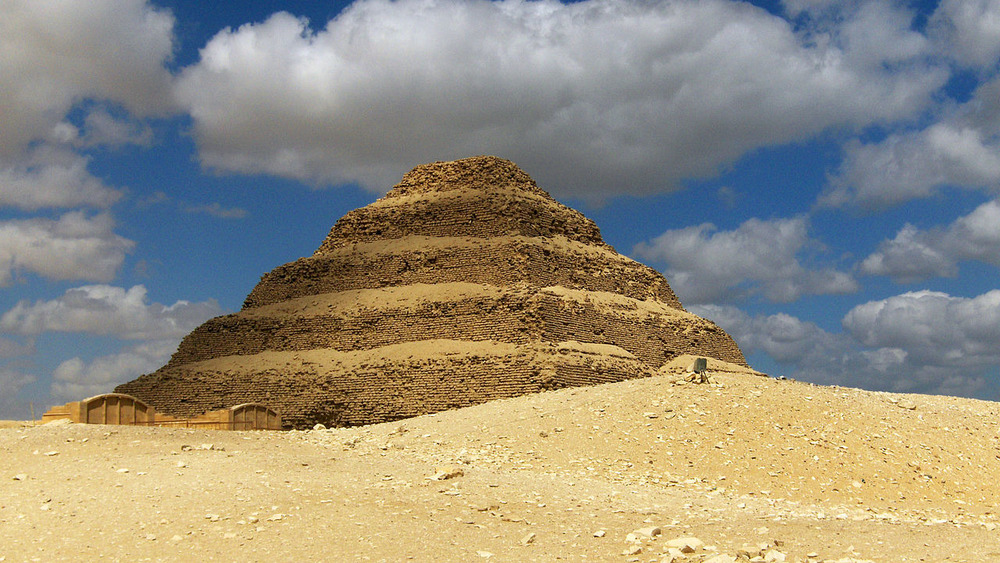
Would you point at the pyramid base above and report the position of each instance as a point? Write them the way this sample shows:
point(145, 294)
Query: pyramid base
point(384, 384)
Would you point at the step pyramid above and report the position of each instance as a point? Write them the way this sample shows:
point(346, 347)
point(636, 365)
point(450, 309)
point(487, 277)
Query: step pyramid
point(465, 283)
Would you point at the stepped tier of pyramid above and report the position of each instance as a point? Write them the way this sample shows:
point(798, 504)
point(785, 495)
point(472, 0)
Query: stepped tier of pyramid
point(463, 284)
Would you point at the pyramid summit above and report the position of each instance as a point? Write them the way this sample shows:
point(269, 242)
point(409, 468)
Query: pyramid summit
point(465, 283)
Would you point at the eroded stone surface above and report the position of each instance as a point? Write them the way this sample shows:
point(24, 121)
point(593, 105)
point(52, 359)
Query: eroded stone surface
point(465, 283)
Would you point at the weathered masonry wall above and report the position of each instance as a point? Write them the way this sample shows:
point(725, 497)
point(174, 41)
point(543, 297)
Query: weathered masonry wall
point(126, 410)
point(498, 265)
point(655, 340)
point(233, 335)
point(479, 217)
point(365, 330)
point(110, 408)
point(379, 392)
point(485, 174)
point(518, 318)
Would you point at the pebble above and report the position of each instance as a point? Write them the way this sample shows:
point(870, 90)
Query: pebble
point(21, 477)
point(600, 534)
point(650, 532)
point(686, 545)
point(528, 539)
point(447, 472)
point(676, 554)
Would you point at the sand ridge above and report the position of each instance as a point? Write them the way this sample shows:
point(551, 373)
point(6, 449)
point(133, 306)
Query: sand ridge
point(841, 474)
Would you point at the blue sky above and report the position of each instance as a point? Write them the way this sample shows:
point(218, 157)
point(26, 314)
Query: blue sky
point(819, 177)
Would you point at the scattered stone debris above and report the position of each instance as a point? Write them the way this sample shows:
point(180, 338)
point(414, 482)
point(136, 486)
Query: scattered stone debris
point(447, 472)
point(904, 404)
point(205, 447)
point(686, 545)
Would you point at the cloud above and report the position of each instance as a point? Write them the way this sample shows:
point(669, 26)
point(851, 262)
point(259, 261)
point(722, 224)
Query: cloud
point(969, 30)
point(783, 337)
point(73, 247)
point(75, 379)
point(103, 129)
point(961, 149)
point(924, 342)
point(55, 53)
point(105, 310)
point(105, 57)
point(109, 310)
point(933, 342)
point(932, 328)
point(705, 265)
point(11, 382)
point(213, 209)
point(216, 210)
point(13, 349)
point(914, 254)
point(582, 95)
point(53, 177)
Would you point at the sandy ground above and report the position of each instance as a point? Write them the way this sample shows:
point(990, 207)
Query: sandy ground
point(747, 464)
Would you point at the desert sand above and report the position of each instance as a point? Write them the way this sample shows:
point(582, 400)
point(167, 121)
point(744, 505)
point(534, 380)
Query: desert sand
point(754, 467)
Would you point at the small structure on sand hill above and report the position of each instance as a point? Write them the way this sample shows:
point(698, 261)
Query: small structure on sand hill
point(121, 409)
point(465, 283)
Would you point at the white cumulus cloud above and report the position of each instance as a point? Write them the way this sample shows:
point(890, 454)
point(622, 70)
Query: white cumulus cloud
point(54, 53)
point(109, 310)
point(593, 98)
point(706, 265)
point(961, 149)
point(106, 310)
point(920, 342)
point(76, 379)
point(101, 128)
point(933, 328)
point(53, 177)
point(914, 254)
point(11, 382)
point(969, 30)
point(74, 247)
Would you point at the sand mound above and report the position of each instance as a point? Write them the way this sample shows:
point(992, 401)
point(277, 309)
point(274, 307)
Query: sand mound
point(815, 473)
